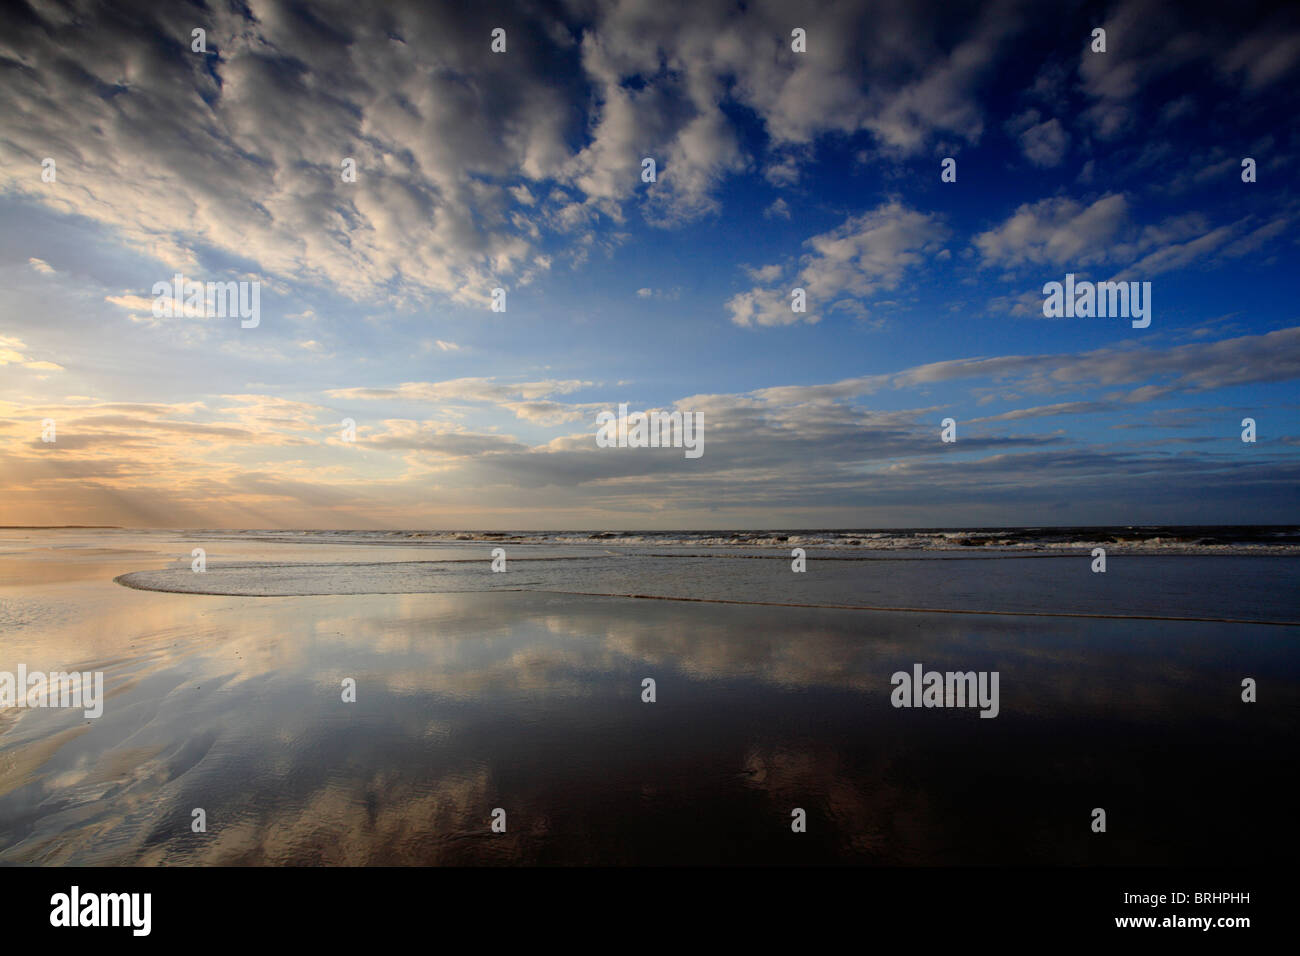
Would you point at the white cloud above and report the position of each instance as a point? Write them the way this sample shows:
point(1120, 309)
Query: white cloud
point(768, 273)
point(780, 209)
point(14, 352)
point(766, 307)
point(670, 295)
point(1044, 144)
point(870, 252)
point(464, 389)
point(1055, 231)
point(865, 255)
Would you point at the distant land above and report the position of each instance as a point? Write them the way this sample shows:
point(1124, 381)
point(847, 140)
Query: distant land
point(55, 527)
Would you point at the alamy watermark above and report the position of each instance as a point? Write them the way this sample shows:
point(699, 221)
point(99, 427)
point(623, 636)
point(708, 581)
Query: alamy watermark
point(651, 430)
point(949, 689)
point(130, 910)
point(83, 689)
point(1115, 300)
point(190, 299)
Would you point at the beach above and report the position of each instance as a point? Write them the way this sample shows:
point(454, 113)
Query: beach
point(523, 691)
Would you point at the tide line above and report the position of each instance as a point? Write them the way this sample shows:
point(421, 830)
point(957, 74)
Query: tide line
point(936, 610)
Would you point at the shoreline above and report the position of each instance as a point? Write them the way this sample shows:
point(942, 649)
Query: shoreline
point(121, 580)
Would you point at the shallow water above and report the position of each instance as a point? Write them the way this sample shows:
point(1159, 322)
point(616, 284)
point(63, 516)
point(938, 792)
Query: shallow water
point(531, 702)
point(1243, 588)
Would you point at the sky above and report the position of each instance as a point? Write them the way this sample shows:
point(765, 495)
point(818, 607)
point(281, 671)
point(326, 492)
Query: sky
point(523, 170)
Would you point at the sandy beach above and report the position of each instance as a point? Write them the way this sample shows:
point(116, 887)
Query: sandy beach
point(508, 695)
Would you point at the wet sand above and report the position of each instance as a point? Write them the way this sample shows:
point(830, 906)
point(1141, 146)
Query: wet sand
point(530, 701)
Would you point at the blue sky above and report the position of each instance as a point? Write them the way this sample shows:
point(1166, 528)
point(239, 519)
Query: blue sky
point(522, 170)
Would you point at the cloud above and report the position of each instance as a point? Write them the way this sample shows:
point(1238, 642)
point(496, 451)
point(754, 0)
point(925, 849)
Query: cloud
point(1056, 232)
point(112, 94)
point(768, 273)
point(1194, 36)
point(1178, 255)
point(1264, 57)
point(784, 171)
point(439, 438)
point(14, 352)
point(154, 462)
point(463, 389)
point(477, 170)
point(131, 301)
point(1044, 144)
point(1197, 367)
point(1257, 238)
point(549, 413)
point(647, 293)
point(766, 307)
point(780, 209)
point(870, 252)
point(239, 151)
point(865, 255)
